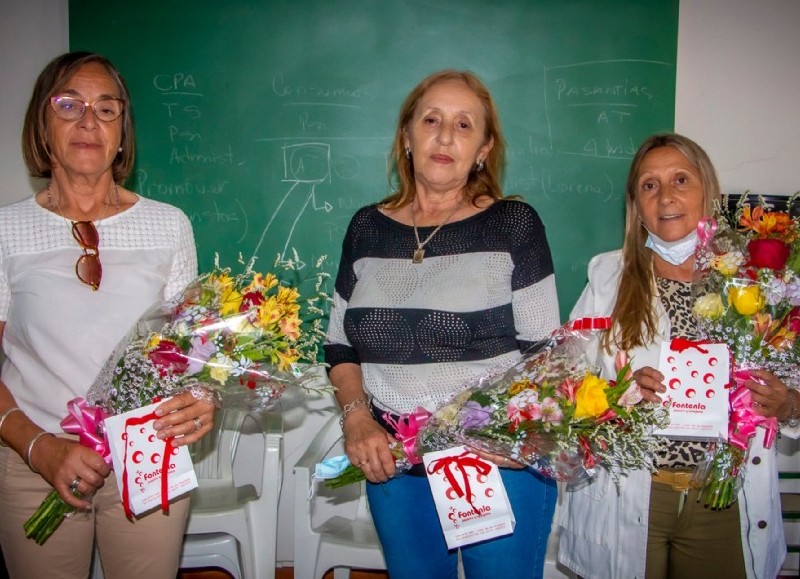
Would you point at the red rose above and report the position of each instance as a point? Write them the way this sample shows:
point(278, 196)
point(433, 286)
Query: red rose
point(251, 300)
point(168, 358)
point(792, 321)
point(769, 253)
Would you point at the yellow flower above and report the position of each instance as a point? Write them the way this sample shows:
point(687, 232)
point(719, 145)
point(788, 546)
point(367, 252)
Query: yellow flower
point(708, 306)
point(590, 398)
point(219, 370)
point(518, 387)
point(728, 263)
point(747, 300)
point(285, 360)
point(261, 283)
point(231, 302)
point(153, 341)
point(287, 297)
point(269, 312)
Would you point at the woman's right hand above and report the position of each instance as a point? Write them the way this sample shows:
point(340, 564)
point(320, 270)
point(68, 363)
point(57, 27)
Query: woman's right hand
point(61, 461)
point(651, 383)
point(366, 444)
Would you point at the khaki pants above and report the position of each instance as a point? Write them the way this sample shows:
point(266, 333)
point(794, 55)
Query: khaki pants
point(695, 543)
point(146, 547)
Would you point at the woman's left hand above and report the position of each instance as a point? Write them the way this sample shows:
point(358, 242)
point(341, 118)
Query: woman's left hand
point(185, 418)
point(770, 396)
point(498, 459)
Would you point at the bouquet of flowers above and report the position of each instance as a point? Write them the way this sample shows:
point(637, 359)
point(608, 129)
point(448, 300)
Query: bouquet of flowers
point(244, 335)
point(551, 411)
point(747, 295)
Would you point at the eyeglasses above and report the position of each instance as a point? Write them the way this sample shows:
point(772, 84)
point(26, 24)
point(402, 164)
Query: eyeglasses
point(88, 267)
point(69, 108)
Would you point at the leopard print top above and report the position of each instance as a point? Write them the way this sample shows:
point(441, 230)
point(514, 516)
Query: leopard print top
point(676, 298)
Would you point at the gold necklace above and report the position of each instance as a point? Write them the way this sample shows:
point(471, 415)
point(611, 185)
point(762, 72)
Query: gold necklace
point(52, 206)
point(419, 253)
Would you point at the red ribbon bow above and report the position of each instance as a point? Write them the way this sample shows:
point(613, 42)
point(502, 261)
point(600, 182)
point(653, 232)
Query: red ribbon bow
point(591, 323)
point(743, 419)
point(406, 429)
point(682, 344)
point(461, 462)
point(87, 422)
point(169, 450)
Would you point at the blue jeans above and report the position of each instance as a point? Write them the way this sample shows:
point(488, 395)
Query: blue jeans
point(413, 542)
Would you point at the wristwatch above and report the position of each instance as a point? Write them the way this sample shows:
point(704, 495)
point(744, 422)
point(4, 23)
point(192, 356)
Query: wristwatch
point(793, 419)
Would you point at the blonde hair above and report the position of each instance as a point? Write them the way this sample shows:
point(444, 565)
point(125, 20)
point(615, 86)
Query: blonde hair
point(51, 81)
point(479, 183)
point(634, 319)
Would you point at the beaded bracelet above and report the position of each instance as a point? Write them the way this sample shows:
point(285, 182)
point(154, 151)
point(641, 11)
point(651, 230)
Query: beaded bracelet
point(351, 406)
point(3, 417)
point(793, 419)
point(36, 438)
point(207, 395)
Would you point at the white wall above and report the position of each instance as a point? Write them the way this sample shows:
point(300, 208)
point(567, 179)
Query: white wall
point(32, 32)
point(738, 90)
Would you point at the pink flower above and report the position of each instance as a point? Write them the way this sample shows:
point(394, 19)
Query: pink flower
point(632, 396)
point(551, 411)
point(567, 389)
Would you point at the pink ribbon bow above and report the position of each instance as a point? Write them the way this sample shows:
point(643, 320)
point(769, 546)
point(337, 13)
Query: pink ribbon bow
point(743, 420)
point(87, 422)
point(461, 462)
point(706, 228)
point(406, 429)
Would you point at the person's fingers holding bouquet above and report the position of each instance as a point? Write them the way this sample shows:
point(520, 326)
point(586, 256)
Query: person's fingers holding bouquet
point(651, 383)
point(69, 467)
point(500, 460)
point(187, 416)
point(367, 446)
point(771, 397)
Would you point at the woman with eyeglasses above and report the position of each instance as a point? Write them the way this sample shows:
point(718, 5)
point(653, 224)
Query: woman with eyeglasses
point(80, 262)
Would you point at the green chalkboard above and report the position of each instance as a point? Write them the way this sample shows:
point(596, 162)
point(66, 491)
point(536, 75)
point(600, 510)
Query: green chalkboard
point(269, 121)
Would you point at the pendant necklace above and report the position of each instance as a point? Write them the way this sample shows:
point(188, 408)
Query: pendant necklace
point(419, 252)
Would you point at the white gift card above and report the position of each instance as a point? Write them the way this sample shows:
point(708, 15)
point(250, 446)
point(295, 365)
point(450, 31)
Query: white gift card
point(149, 471)
point(470, 497)
point(696, 376)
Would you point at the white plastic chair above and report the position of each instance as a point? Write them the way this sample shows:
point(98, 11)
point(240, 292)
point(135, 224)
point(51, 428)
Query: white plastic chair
point(222, 507)
point(338, 542)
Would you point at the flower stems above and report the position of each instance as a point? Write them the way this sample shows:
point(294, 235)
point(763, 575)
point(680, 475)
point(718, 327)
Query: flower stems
point(47, 517)
point(721, 483)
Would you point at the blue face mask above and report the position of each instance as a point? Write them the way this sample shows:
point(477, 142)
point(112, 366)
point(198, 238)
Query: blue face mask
point(674, 252)
point(331, 467)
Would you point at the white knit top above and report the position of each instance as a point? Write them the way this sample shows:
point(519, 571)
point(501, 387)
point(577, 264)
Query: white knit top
point(58, 331)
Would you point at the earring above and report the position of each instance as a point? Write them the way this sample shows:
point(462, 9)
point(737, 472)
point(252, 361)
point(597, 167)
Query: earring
point(408, 153)
point(119, 150)
point(479, 166)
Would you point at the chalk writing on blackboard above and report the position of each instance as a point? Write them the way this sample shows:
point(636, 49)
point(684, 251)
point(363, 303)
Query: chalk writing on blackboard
point(305, 166)
point(602, 100)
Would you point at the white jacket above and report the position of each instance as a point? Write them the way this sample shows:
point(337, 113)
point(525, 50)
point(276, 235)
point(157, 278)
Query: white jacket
point(604, 530)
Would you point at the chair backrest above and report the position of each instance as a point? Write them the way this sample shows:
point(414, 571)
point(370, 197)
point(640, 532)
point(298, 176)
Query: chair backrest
point(213, 455)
